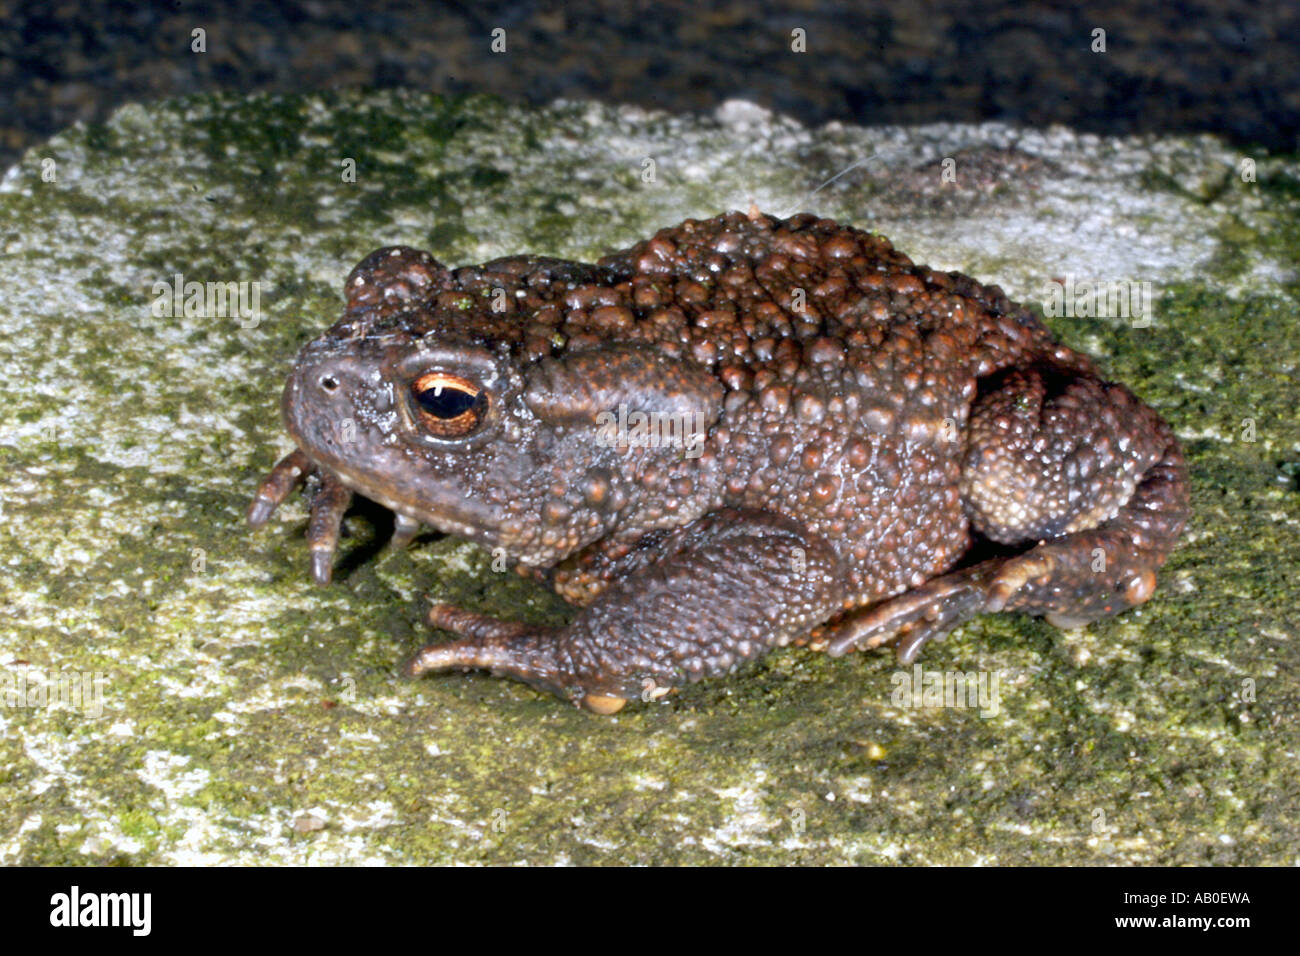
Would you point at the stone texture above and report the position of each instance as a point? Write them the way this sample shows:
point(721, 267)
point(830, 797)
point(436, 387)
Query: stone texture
point(248, 717)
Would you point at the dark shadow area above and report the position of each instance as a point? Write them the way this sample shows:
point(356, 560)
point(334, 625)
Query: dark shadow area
point(364, 540)
point(1229, 67)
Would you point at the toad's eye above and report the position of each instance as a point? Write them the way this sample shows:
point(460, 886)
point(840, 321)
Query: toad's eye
point(448, 406)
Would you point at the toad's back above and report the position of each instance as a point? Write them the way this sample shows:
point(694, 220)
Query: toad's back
point(850, 374)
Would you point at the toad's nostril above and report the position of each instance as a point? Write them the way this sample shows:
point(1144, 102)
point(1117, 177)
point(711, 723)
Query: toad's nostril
point(329, 383)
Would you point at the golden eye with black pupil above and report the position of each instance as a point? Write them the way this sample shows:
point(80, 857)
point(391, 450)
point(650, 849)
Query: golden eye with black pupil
point(449, 406)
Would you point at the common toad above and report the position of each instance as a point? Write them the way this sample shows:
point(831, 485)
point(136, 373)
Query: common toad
point(740, 433)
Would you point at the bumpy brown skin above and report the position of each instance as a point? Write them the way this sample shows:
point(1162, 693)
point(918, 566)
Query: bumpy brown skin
point(860, 420)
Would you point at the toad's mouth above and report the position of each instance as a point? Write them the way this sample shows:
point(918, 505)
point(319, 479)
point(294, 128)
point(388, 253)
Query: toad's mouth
point(441, 507)
point(455, 516)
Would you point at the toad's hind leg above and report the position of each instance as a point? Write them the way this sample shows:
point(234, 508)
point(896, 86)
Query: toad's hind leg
point(1077, 468)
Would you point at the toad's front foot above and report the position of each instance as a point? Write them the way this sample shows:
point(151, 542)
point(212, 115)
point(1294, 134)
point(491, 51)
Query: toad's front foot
point(533, 654)
point(330, 500)
point(722, 591)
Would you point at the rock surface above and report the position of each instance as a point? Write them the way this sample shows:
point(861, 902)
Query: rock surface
point(174, 690)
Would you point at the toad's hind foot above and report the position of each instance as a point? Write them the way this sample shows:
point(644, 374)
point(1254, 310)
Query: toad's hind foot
point(1066, 581)
point(927, 613)
point(1050, 457)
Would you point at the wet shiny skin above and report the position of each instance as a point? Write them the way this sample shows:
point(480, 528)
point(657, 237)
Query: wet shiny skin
point(858, 423)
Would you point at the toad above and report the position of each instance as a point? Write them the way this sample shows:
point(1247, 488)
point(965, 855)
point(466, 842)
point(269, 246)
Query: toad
point(741, 433)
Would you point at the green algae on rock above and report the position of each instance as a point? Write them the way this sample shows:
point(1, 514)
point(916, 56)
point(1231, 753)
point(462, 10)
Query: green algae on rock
point(238, 701)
